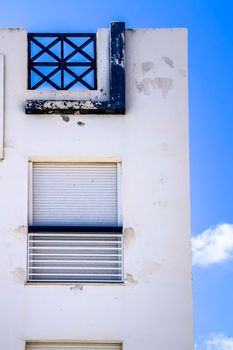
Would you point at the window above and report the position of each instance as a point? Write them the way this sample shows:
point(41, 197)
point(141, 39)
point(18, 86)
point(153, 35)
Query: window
point(72, 346)
point(75, 232)
point(62, 61)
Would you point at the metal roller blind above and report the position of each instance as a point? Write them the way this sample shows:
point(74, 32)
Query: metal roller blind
point(73, 346)
point(75, 194)
point(71, 257)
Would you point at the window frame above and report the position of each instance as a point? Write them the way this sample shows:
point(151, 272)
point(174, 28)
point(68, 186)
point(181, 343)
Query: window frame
point(117, 230)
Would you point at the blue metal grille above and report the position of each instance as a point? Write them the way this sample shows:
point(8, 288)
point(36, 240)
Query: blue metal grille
point(62, 61)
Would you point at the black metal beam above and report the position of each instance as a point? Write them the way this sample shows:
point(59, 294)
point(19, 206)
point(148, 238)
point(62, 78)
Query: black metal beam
point(116, 104)
point(98, 229)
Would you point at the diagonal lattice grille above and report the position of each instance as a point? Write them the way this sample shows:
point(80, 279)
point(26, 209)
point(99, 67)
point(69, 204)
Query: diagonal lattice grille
point(62, 61)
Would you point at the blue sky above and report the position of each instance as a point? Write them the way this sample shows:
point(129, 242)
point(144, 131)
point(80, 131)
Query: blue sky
point(211, 128)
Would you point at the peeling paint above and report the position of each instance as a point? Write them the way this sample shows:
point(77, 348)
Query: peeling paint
point(115, 106)
point(119, 62)
point(130, 279)
point(165, 84)
point(76, 288)
point(168, 61)
point(22, 229)
point(129, 236)
point(147, 66)
point(19, 275)
point(144, 86)
point(21, 232)
point(162, 83)
point(65, 118)
point(81, 123)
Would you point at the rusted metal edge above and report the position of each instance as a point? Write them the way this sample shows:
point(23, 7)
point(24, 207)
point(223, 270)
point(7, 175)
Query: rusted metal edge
point(116, 105)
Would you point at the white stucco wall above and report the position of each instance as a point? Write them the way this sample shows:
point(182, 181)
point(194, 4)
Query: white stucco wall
point(152, 310)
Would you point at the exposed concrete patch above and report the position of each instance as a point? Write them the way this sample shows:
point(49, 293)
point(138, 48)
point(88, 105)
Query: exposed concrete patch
point(147, 66)
point(164, 84)
point(65, 118)
point(19, 275)
point(22, 229)
point(76, 288)
point(168, 61)
point(81, 123)
point(130, 279)
point(129, 236)
point(21, 232)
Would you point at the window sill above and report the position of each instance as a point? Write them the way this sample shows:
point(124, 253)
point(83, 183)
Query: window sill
point(76, 285)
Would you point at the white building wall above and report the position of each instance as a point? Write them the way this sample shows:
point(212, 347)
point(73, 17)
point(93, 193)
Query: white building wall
point(152, 310)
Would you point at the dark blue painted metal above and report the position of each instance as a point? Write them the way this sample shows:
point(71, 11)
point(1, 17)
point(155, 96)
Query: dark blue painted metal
point(117, 63)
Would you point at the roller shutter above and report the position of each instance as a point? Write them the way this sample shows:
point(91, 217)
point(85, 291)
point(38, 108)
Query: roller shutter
point(75, 194)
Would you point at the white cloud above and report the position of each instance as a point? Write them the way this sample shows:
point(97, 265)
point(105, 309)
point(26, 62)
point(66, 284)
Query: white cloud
point(212, 246)
point(216, 342)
